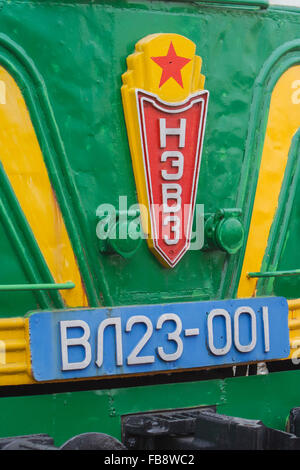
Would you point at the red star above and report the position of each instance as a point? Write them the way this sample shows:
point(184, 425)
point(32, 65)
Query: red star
point(171, 65)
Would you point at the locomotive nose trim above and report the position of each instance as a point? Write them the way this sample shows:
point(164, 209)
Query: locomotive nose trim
point(17, 349)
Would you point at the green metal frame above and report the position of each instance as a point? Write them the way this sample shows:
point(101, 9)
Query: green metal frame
point(295, 272)
point(17, 287)
point(283, 58)
point(279, 229)
point(64, 412)
point(238, 3)
point(64, 415)
point(23, 70)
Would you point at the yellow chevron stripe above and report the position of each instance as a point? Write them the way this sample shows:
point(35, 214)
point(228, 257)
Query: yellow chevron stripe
point(23, 163)
point(283, 122)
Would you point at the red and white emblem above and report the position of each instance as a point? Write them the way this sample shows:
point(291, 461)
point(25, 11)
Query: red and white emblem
point(165, 104)
point(172, 137)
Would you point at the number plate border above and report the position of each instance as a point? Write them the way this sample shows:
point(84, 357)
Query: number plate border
point(143, 339)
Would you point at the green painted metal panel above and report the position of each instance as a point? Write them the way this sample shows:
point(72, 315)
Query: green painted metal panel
point(68, 59)
point(92, 138)
point(64, 415)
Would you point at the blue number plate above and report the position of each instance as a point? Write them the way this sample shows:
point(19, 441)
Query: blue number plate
point(130, 340)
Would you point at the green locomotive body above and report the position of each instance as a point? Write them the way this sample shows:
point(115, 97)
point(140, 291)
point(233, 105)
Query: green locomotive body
point(67, 150)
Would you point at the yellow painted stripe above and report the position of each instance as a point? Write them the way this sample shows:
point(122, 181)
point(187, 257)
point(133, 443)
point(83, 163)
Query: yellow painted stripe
point(11, 324)
point(24, 165)
point(15, 345)
point(283, 122)
point(294, 327)
point(15, 363)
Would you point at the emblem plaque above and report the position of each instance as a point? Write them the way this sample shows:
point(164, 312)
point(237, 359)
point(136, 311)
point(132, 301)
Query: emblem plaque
point(165, 109)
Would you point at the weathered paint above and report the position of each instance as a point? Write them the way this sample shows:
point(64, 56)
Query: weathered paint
point(200, 275)
point(294, 327)
point(268, 397)
point(283, 122)
point(16, 357)
point(15, 364)
point(68, 58)
point(24, 166)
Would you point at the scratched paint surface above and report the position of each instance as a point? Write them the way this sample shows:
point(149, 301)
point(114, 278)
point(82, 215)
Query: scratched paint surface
point(88, 112)
point(283, 122)
point(79, 50)
point(24, 166)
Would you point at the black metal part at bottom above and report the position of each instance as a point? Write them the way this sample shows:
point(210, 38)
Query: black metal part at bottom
point(293, 422)
point(204, 429)
point(189, 429)
point(85, 441)
point(28, 442)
